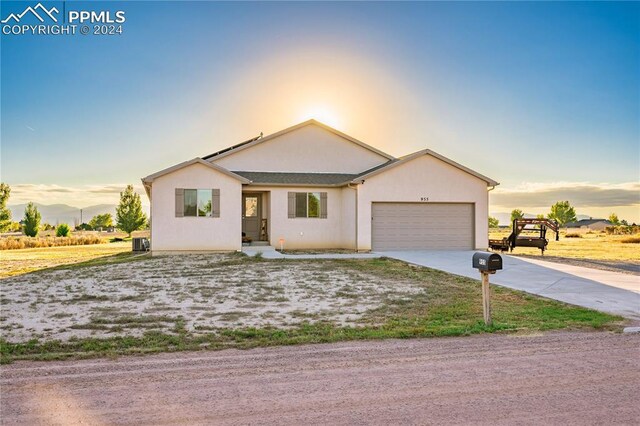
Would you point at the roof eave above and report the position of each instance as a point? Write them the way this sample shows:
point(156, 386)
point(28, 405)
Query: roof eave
point(314, 185)
point(149, 179)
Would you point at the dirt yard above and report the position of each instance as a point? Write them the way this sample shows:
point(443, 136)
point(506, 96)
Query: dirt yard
point(557, 378)
point(194, 292)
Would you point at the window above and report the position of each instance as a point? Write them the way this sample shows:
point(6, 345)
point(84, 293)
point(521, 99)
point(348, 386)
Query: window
point(313, 206)
point(204, 202)
point(197, 202)
point(190, 202)
point(251, 207)
point(307, 204)
point(301, 204)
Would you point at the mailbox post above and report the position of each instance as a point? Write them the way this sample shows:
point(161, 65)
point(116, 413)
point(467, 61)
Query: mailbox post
point(486, 263)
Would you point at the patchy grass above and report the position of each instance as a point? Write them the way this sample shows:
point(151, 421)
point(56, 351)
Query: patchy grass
point(17, 262)
point(392, 300)
point(596, 246)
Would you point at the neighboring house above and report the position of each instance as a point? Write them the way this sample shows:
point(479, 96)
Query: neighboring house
point(311, 186)
point(589, 224)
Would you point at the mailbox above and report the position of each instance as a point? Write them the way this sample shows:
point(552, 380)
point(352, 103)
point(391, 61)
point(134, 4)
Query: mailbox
point(487, 262)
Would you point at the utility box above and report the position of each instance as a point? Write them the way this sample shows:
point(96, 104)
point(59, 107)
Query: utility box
point(140, 244)
point(487, 262)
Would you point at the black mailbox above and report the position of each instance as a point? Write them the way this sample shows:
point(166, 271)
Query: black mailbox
point(487, 261)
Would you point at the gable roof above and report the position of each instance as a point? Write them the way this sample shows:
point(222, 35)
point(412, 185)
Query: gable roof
point(182, 165)
point(391, 164)
point(258, 140)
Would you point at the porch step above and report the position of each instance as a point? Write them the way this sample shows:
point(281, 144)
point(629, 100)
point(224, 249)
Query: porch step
point(259, 243)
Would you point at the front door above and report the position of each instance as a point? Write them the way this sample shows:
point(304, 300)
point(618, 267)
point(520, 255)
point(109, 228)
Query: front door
point(251, 204)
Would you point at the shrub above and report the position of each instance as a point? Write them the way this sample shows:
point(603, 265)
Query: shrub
point(622, 230)
point(631, 240)
point(13, 243)
point(31, 220)
point(62, 230)
point(573, 235)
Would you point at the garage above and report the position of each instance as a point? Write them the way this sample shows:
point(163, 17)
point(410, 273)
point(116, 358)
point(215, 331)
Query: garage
point(417, 226)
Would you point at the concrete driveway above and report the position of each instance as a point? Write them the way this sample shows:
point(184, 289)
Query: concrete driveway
point(602, 290)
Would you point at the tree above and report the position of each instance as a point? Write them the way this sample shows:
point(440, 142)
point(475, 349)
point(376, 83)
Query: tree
point(562, 212)
point(129, 215)
point(516, 214)
point(613, 218)
point(5, 213)
point(539, 216)
point(101, 221)
point(31, 220)
point(62, 230)
point(493, 222)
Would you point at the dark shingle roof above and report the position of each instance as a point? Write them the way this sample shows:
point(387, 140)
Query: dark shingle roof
point(279, 178)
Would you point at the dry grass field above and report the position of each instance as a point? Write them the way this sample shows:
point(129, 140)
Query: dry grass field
point(16, 262)
point(594, 246)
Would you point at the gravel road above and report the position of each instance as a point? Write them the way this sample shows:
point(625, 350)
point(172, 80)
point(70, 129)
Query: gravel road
point(557, 378)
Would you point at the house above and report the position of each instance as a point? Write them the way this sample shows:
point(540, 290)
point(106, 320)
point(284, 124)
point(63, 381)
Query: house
point(311, 186)
point(589, 225)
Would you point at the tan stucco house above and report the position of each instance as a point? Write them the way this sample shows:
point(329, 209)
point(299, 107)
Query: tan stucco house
point(311, 186)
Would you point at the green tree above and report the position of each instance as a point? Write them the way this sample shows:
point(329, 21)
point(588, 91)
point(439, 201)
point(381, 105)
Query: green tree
point(101, 221)
point(493, 222)
point(129, 215)
point(539, 216)
point(62, 230)
point(31, 220)
point(5, 213)
point(613, 218)
point(516, 214)
point(562, 212)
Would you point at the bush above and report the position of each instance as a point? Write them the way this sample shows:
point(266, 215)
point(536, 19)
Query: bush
point(573, 235)
point(631, 240)
point(84, 227)
point(13, 243)
point(622, 230)
point(62, 230)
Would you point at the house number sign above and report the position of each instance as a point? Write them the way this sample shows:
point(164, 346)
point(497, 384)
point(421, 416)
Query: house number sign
point(424, 198)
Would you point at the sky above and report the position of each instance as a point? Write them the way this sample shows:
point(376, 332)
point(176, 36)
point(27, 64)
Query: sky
point(542, 97)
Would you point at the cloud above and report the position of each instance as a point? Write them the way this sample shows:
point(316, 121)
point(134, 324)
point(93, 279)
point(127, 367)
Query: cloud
point(579, 194)
point(76, 196)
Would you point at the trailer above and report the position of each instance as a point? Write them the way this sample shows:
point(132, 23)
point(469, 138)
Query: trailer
point(527, 233)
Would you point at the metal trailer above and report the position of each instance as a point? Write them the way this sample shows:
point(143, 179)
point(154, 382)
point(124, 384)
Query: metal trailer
point(527, 233)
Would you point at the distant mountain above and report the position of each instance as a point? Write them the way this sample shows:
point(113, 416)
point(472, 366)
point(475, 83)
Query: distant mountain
point(62, 213)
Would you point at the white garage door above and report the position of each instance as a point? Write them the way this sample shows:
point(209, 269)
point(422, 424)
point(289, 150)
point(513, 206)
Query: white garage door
point(415, 226)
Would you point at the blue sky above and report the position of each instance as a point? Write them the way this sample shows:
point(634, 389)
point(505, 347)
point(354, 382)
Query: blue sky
point(543, 97)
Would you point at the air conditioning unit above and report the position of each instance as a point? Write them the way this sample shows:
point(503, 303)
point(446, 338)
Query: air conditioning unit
point(140, 244)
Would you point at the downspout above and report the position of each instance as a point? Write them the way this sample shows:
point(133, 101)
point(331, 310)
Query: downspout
point(491, 188)
point(355, 189)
